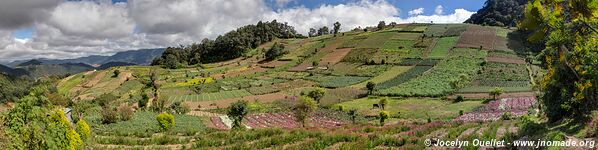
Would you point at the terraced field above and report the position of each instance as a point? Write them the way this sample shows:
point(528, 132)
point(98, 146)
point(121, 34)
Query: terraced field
point(211, 96)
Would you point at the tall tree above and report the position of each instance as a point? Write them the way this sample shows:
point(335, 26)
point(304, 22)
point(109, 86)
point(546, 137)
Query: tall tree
point(323, 31)
point(312, 32)
point(568, 29)
point(237, 112)
point(381, 25)
point(304, 109)
point(337, 27)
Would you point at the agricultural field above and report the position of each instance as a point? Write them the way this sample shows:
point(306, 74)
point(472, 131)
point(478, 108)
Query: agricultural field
point(211, 96)
point(421, 68)
point(442, 48)
point(438, 81)
point(477, 37)
point(414, 108)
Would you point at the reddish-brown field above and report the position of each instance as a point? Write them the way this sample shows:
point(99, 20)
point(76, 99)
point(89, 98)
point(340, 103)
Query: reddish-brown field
point(334, 57)
point(330, 47)
point(476, 36)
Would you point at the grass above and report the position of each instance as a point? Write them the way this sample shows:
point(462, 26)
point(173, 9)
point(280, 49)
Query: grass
point(144, 124)
point(402, 46)
point(442, 47)
point(414, 108)
point(485, 89)
point(376, 40)
point(342, 81)
point(211, 96)
point(385, 76)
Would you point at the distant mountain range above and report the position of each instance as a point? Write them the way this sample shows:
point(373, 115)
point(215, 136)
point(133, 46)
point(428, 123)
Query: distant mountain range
point(48, 67)
point(139, 57)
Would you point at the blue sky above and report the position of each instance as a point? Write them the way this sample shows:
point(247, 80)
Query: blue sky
point(404, 5)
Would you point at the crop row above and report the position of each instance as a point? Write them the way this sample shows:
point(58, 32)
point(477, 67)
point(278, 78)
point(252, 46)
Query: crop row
point(438, 81)
point(404, 77)
point(342, 81)
point(211, 96)
point(494, 110)
point(283, 120)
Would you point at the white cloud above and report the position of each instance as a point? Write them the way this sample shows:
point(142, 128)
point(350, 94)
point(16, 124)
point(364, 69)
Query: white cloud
point(439, 10)
point(82, 28)
point(417, 11)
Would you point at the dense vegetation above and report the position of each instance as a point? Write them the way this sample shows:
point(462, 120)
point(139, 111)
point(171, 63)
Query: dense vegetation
point(499, 13)
point(568, 29)
point(228, 46)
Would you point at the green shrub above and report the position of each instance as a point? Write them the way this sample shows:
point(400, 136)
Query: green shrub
point(459, 99)
point(180, 107)
point(165, 121)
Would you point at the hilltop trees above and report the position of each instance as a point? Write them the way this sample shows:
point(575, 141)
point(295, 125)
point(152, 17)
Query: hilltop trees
point(337, 27)
point(381, 25)
point(228, 46)
point(499, 13)
point(569, 31)
point(312, 32)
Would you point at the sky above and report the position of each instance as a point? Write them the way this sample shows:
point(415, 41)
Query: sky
point(60, 29)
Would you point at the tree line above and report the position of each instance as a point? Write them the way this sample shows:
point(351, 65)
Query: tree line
point(228, 46)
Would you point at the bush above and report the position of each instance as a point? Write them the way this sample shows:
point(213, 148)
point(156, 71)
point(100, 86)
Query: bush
point(83, 130)
point(506, 116)
point(383, 116)
point(109, 115)
point(125, 112)
point(116, 73)
point(180, 108)
point(105, 99)
point(165, 121)
point(459, 99)
point(143, 101)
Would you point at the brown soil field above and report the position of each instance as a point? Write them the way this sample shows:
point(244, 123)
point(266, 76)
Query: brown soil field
point(266, 98)
point(476, 36)
point(330, 47)
point(334, 57)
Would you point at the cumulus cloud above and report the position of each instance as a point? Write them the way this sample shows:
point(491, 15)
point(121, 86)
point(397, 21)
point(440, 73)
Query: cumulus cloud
point(439, 10)
point(20, 13)
point(351, 15)
point(417, 11)
point(80, 28)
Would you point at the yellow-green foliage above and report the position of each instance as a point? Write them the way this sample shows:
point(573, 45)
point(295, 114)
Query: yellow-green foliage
point(59, 120)
point(165, 120)
point(196, 81)
point(83, 129)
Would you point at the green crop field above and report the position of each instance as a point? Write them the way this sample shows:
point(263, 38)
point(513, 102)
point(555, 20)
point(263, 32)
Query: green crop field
point(211, 96)
point(385, 76)
point(442, 47)
point(438, 81)
point(342, 81)
point(376, 40)
point(413, 108)
point(404, 77)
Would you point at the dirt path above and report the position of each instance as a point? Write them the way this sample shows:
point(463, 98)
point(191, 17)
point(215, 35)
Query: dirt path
point(487, 95)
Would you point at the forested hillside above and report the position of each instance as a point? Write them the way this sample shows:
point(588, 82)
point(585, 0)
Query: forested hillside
point(499, 13)
point(228, 46)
